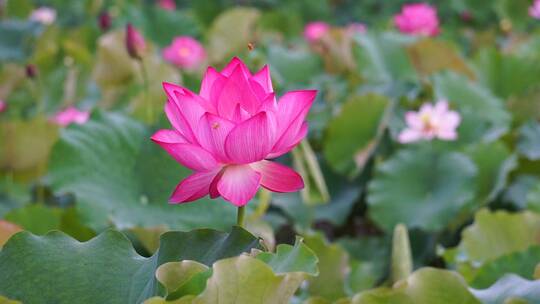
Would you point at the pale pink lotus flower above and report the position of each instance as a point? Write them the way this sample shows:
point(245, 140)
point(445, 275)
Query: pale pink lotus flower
point(228, 132)
point(3, 106)
point(430, 122)
point(357, 27)
point(70, 115)
point(168, 5)
point(314, 31)
point(44, 15)
point(534, 10)
point(185, 52)
point(418, 19)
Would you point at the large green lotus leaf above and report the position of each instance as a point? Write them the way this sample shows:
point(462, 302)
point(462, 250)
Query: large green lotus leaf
point(35, 218)
point(373, 254)
point(494, 235)
point(382, 58)
point(526, 107)
point(26, 144)
point(363, 276)
point(498, 233)
point(292, 65)
point(240, 280)
point(343, 195)
point(529, 140)
point(425, 286)
point(13, 195)
point(40, 219)
point(518, 191)
point(19, 9)
point(508, 288)
point(164, 25)
point(333, 268)
point(231, 32)
point(497, 71)
point(483, 114)
point(494, 162)
point(430, 56)
point(247, 280)
point(351, 137)
point(17, 38)
point(421, 187)
point(57, 269)
point(119, 176)
point(287, 258)
point(286, 22)
point(176, 275)
point(522, 263)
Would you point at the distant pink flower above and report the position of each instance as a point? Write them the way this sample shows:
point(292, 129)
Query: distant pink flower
point(70, 115)
point(104, 21)
point(430, 122)
point(314, 31)
point(418, 19)
point(169, 5)
point(3, 106)
point(185, 52)
point(135, 44)
point(357, 27)
point(43, 15)
point(534, 10)
point(228, 131)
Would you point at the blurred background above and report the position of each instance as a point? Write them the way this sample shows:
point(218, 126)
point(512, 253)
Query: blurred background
point(81, 94)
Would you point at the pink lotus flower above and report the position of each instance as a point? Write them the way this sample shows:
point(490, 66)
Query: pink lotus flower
point(228, 131)
point(3, 106)
point(185, 52)
point(135, 44)
point(418, 19)
point(534, 10)
point(430, 122)
point(169, 5)
point(70, 115)
point(314, 31)
point(357, 27)
point(43, 15)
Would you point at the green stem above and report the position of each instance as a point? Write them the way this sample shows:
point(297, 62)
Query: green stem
point(146, 85)
point(240, 216)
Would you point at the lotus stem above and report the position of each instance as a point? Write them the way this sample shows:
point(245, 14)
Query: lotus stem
point(240, 216)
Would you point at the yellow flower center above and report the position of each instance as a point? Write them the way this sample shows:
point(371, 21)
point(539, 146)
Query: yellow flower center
point(215, 125)
point(426, 120)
